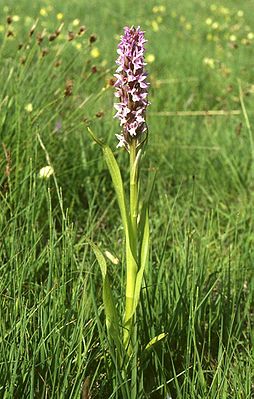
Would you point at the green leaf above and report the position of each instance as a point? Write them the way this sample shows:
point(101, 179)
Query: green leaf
point(116, 179)
point(118, 185)
point(112, 321)
point(131, 260)
point(155, 340)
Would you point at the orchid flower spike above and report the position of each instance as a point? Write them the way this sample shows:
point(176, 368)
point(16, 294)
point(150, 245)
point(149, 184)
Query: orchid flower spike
point(131, 87)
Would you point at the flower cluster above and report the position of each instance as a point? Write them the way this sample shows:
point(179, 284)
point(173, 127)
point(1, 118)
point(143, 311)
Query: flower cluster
point(131, 86)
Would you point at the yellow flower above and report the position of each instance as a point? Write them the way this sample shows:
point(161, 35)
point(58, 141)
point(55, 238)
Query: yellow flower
point(29, 107)
point(46, 172)
point(76, 22)
point(150, 58)
point(159, 19)
point(209, 62)
point(188, 26)
point(224, 10)
point(155, 26)
point(43, 12)
point(15, 18)
point(1, 28)
point(162, 8)
point(209, 37)
point(208, 21)
point(250, 35)
point(95, 53)
point(155, 9)
point(240, 13)
point(78, 46)
point(232, 38)
point(59, 16)
point(215, 25)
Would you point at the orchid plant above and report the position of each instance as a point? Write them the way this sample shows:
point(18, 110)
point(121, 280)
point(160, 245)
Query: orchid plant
point(132, 93)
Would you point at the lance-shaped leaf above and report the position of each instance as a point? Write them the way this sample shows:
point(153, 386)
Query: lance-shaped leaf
point(118, 185)
point(131, 261)
point(112, 321)
point(116, 179)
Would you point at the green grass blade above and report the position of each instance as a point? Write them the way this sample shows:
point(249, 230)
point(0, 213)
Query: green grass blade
point(156, 339)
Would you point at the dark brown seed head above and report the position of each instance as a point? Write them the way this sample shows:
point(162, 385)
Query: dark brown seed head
point(52, 37)
point(94, 69)
point(68, 88)
point(57, 63)
point(39, 38)
point(44, 52)
point(31, 32)
point(99, 114)
point(71, 36)
point(82, 30)
point(92, 39)
point(58, 30)
point(9, 19)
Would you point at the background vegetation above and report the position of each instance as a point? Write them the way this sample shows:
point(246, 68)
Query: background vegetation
point(55, 81)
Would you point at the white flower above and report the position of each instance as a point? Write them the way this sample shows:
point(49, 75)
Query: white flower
point(76, 22)
point(111, 257)
point(29, 107)
point(150, 58)
point(46, 172)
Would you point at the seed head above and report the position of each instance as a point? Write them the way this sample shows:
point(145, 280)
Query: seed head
point(9, 19)
point(92, 38)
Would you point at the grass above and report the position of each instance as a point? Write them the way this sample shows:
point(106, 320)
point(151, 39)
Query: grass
point(199, 286)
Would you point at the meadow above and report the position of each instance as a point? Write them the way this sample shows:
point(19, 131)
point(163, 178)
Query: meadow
point(57, 62)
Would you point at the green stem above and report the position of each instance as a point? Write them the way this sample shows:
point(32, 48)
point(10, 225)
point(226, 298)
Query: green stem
point(133, 195)
point(131, 250)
